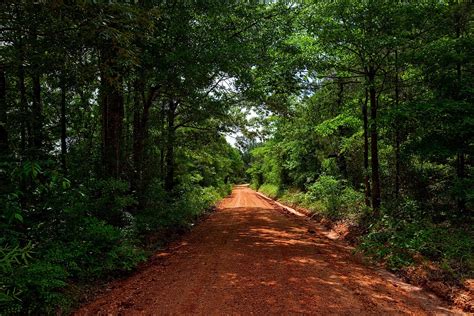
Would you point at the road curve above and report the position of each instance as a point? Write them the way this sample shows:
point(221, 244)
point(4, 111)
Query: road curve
point(249, 258)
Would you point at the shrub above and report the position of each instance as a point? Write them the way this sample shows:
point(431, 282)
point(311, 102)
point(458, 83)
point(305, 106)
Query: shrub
point(254, 186)
point(270, 190)
point(81, 233)
point(326, 189)
point(11, 259)
point(331, 196)
point(293, 197)
point(111, 198)
point(162, 213)
point(73, 246)
point(398, 241)
point(224, 190)
point(40, 285)
point(93, 249)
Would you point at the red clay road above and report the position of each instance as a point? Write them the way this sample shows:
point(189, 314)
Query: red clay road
point(249, 258)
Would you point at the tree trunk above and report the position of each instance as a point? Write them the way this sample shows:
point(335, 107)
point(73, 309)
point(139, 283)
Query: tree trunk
point(171, 134)
point(140, 132)
point(37, 114)
point(37, 106)
point(397, 130)
point(374, 144)
point(366, 150)
point(137, 145)
point(4, 148)
point(24, 125)
point(459, 32)
point(460, 160)
point(162, 143)
point(3, 113)
point(461, 174)
point(340, 94)
point(397, 163)
point(112, 126)
point(112, 104)
point(23, 108)
point(63, 127)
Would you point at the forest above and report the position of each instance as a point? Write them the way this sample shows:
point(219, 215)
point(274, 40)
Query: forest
point(122, 123)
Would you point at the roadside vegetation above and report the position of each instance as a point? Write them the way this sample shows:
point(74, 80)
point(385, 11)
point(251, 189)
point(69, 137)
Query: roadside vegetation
point(383, 138)
point(111, 138)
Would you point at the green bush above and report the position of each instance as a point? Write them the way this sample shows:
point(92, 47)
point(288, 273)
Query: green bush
point(29, 285)
point(71, 244)
point(162, 213)
point(82, 233)
point(224, 190)
point(93, 249)
point(398, 241)
point(32, 280)
point(194, 200)
point(294, 197)
point(332, 197)
point(270, 190)
point(11, 259)
point(40, 285)
point(254, 186)
point(326, 189)
point(111, 198)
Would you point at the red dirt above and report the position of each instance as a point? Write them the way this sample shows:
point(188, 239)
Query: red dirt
point(250, 258)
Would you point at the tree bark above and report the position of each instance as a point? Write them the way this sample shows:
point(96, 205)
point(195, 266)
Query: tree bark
point(63, 124)
point(461, 174)
point(37, 106)
point(4, 145)
point(397, 130)
point(23, 108)
point(340, 94)
point(366, 149)
point(37, 114)
point(140, 130)
point(112, 106)
point(3, 113)
point(460, 160)
point(376, 200)
point(137, 144)
point(171, 134)
point(162, 143)
point(397, 164)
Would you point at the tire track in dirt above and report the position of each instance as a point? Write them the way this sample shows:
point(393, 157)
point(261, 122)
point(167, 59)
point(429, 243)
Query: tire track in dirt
point(250, 258)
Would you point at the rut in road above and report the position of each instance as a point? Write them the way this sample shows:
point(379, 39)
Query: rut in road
point(250, 258)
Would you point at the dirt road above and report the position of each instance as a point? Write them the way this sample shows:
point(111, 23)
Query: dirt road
point(250, 258)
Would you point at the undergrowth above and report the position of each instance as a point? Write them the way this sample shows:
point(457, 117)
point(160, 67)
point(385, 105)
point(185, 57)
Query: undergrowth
point(403, 236)
point(76, 242)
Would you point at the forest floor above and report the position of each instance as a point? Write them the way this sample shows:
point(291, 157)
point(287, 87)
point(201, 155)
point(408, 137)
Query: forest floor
point(251, 257)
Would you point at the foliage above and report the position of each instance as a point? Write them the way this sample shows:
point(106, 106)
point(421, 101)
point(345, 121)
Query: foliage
point(337, 199)
point(111, 131)
point(381, 130)
point(400, 243)
point(270, 190)
point(12, 258)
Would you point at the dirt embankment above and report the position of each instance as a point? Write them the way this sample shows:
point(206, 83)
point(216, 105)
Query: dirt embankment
point(250, 258)
point(425, 274)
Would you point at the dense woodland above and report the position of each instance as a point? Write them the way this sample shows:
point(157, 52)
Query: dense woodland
point(114, 117)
